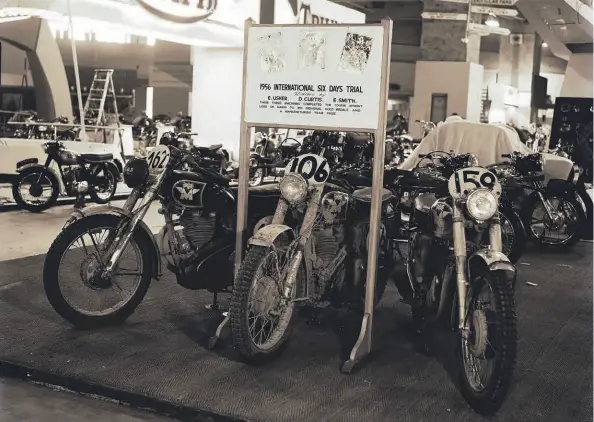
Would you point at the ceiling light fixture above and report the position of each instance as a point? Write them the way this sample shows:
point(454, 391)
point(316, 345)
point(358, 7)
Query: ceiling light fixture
point(544, 44)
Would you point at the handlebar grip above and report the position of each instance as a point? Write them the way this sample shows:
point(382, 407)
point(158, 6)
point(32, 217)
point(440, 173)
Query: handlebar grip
point(423, 155)
point(506, 156)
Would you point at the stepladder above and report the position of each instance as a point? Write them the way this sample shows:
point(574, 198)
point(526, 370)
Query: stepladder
point(101, 100)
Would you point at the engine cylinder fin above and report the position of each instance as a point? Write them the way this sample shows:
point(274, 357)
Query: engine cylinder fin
point(197, 229)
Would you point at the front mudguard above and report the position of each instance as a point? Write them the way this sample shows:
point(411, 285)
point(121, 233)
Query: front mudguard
point(268, 235)
point(142, 226)
point(493, 261)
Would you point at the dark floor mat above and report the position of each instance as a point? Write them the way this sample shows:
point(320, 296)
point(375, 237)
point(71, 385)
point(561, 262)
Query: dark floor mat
point(160, 352)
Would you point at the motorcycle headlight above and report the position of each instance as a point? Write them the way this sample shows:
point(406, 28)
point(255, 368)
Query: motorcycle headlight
point(293, 187)
point(481, 204)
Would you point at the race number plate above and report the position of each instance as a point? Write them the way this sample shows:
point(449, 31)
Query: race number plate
point(464, 181)
point(313, 168)
point(158, 159)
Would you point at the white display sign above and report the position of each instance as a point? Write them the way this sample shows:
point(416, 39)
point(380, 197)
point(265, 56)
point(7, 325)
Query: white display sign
point(498, 11)
point(484, 30)
point(445, 16)
point(319, 76)
point(496, 2)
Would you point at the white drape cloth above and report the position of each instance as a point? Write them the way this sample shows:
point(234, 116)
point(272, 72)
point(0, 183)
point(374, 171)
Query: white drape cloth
point(487, 142)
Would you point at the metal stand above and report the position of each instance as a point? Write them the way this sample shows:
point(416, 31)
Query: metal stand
point(214, 306)
point(363, 345)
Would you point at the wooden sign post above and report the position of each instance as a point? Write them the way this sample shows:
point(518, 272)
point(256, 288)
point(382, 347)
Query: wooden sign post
point(318, 77)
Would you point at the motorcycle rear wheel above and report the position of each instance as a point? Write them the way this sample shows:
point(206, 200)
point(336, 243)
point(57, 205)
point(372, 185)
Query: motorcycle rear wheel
point(493, 336)
point(240, 312)
point(33, 174)
point(111, 178)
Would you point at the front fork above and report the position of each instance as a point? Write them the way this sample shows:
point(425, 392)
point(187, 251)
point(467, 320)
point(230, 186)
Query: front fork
point(460, 253)
point(142, 209)
point(303, 236)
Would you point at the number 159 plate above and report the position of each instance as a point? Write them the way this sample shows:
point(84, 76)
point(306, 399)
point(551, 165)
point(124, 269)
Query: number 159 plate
point(464, 181)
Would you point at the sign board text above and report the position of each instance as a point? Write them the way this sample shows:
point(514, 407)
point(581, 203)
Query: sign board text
point(314, 76)
point(445, 16)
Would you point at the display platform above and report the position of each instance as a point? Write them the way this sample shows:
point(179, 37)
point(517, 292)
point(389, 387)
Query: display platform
point(158, 359)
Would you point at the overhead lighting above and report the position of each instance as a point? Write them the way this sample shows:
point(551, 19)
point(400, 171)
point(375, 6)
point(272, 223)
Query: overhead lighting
point(544, 44)
point(492, 21)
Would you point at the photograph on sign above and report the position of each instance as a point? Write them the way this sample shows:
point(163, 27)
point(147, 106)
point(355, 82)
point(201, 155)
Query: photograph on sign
point(314, 76)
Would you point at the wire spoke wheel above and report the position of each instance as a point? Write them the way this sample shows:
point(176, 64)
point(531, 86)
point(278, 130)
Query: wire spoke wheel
point(488, 348)
point(35, 189)
point(560, 227)
point(75, 278)
point(268, 310)
point(261, 314)
point(104, 184)
point(91, 293)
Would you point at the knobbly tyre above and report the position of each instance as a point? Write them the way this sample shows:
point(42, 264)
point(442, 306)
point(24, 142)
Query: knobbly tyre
point(453, 281)
point(95, 174)
point(196, 243)
point(312, 254)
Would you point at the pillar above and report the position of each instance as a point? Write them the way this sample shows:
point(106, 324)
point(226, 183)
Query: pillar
point(448, 71)
point(47, 68)
point(216, 90)
point(518, 62)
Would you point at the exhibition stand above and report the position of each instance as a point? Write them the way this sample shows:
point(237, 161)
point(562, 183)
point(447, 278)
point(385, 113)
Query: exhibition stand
point(302, 77)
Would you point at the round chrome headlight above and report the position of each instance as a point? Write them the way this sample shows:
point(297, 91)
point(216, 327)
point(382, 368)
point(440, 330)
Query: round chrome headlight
point(481, 204)
point(293, 187)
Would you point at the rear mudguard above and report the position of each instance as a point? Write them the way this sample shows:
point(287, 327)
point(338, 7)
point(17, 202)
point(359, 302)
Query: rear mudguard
point(142, 226)
point(114, 168)
point(493, 261)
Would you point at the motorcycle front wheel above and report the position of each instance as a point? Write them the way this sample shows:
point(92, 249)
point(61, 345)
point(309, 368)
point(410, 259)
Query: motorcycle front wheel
point(92, 300)
point(261, 318)
point(35, 182)
point(489, 349)
point(563, 229)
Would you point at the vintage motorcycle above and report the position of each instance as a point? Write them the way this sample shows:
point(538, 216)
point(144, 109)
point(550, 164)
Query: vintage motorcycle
point(196, 243)
point(553, 214)
point(79, 174)
point(453, 279)
point(313, 253)
point(269, 159)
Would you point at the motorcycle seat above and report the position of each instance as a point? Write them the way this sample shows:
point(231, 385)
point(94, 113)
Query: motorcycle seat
point(364, 195)
point(96, 158)
point(211, 148)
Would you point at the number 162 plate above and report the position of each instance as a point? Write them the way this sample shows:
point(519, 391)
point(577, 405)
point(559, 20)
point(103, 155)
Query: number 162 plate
point(464, 181)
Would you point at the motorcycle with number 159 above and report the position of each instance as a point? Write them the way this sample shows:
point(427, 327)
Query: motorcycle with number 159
point(466, 285)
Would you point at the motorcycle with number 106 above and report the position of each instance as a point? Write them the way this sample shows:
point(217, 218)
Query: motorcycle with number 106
point(313, 253)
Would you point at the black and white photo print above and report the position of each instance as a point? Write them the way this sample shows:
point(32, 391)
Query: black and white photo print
point(312, 50)
point(272, 53)
point(355, 53)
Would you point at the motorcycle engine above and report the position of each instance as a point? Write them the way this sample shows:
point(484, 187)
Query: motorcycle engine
point(197, 228)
